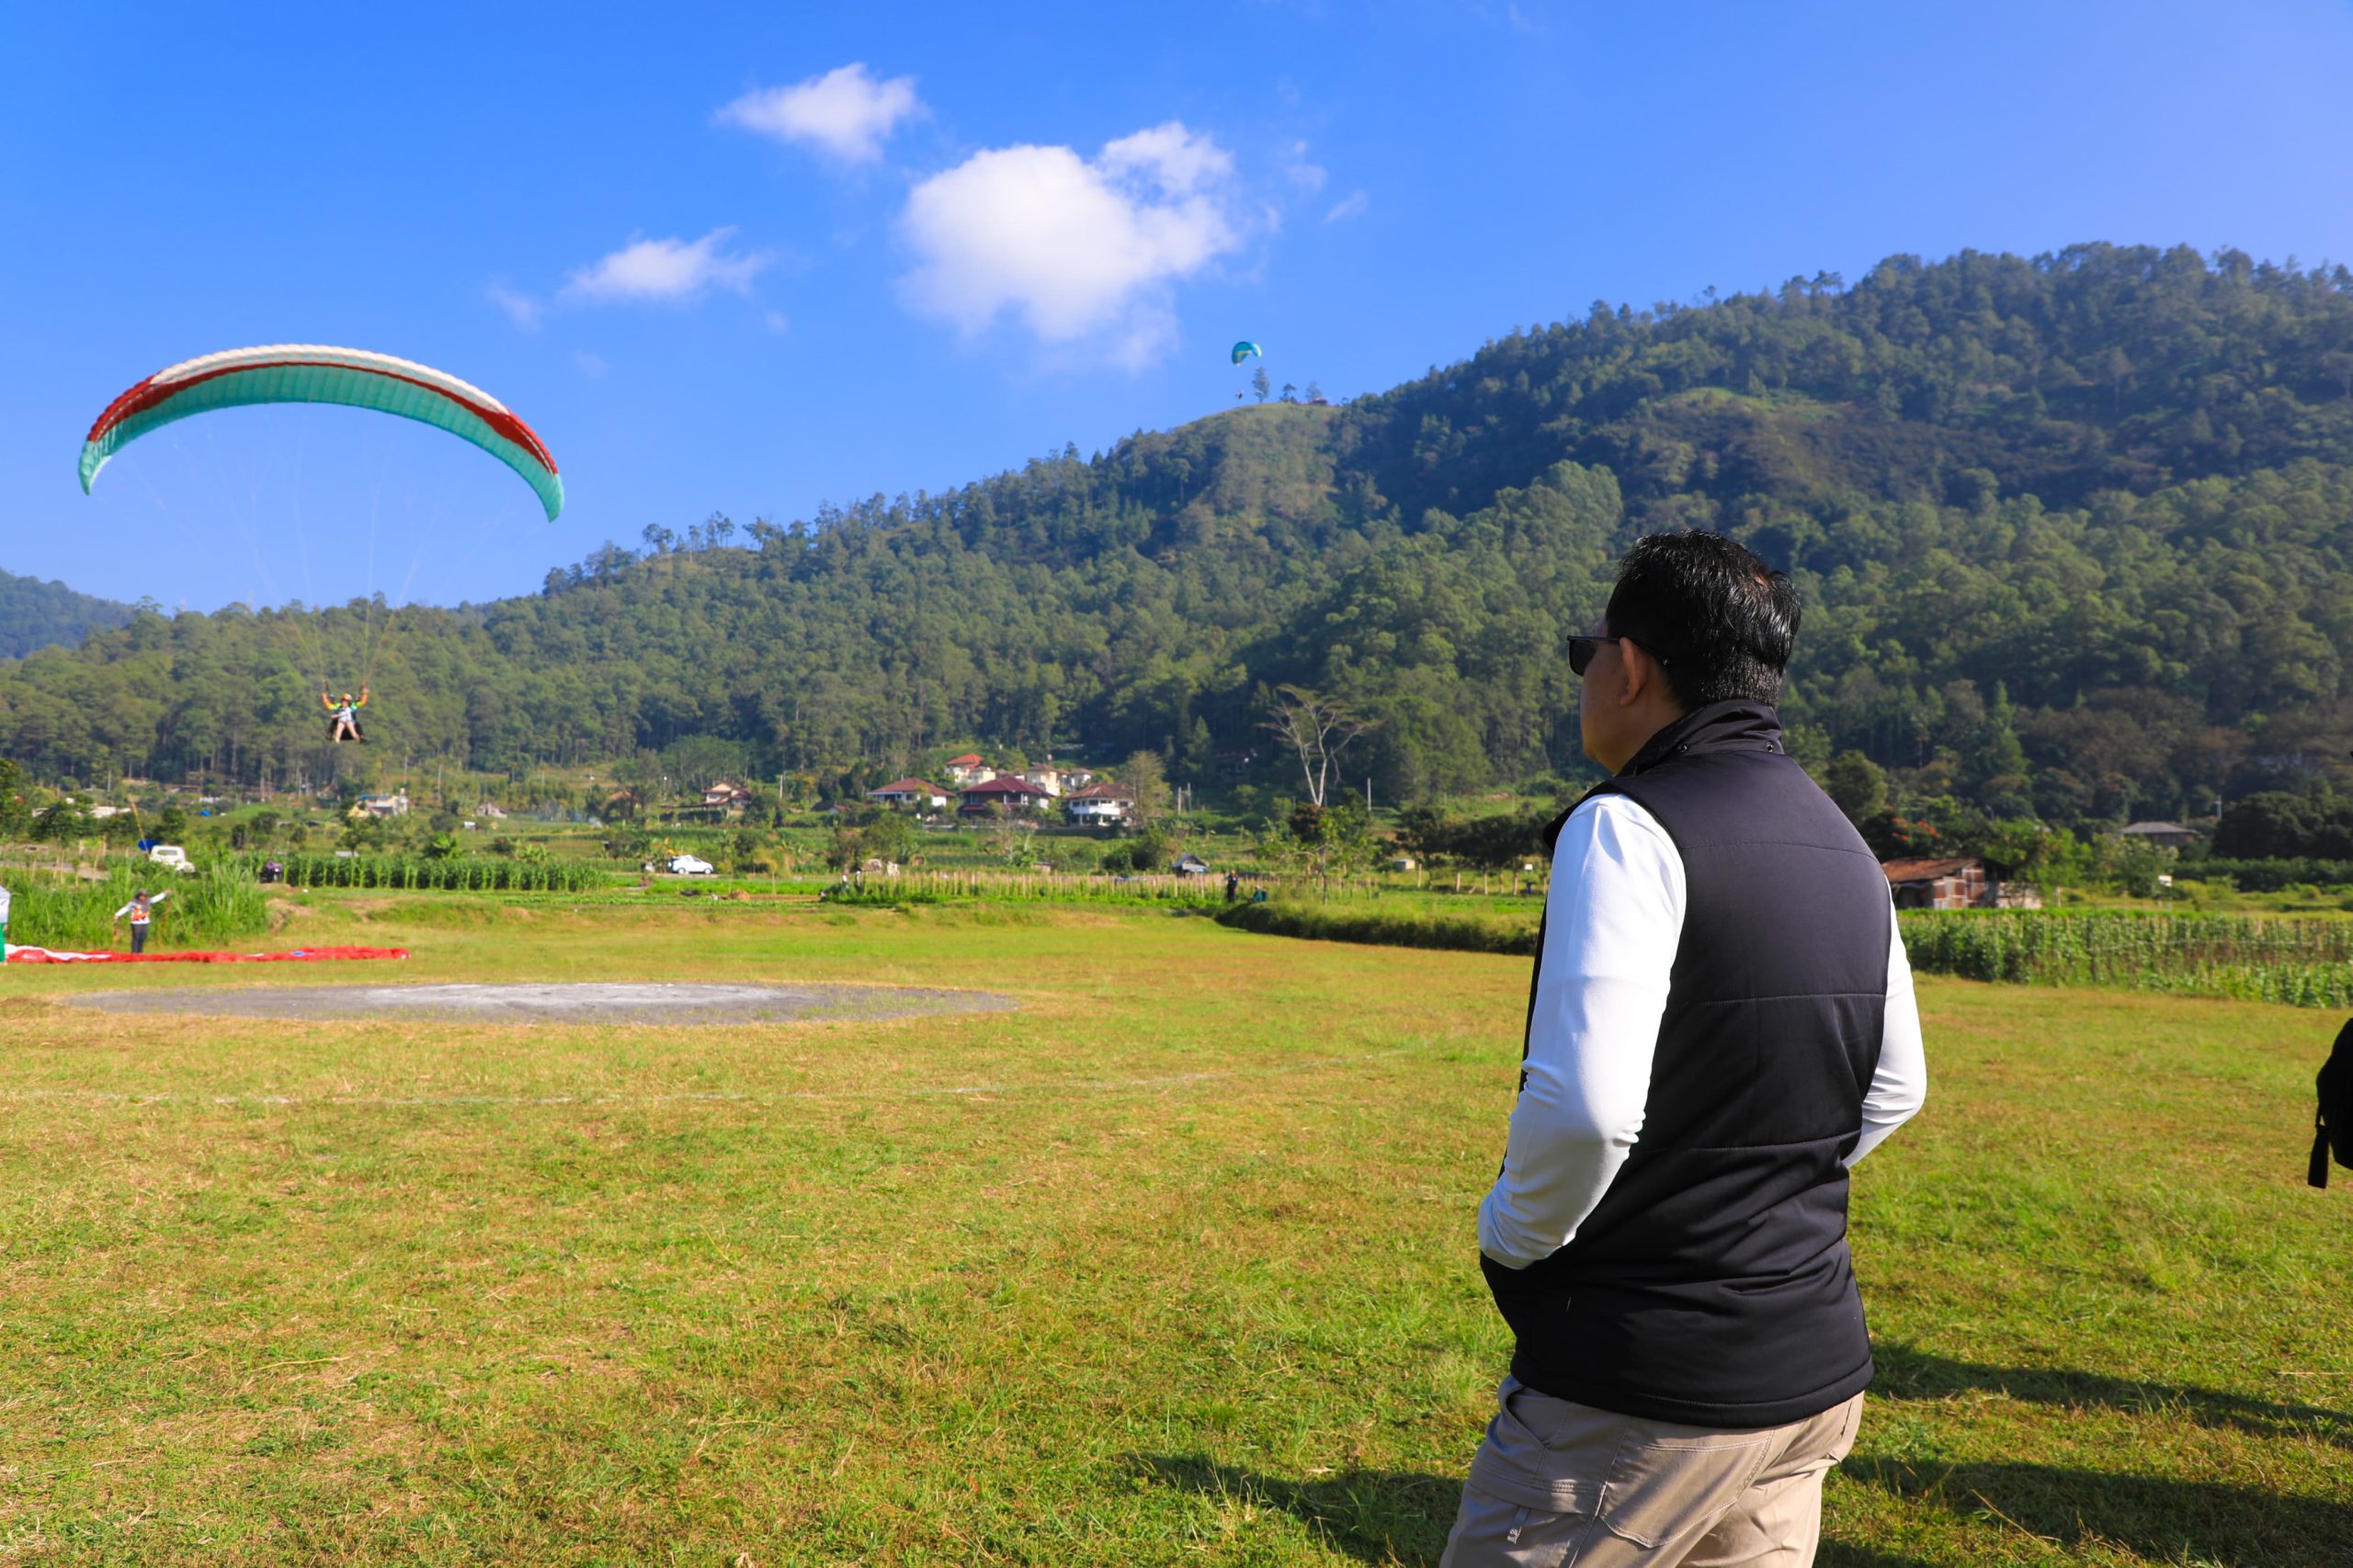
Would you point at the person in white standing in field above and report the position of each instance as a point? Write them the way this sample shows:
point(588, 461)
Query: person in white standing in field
point(141, 912)
point(1721, 1023)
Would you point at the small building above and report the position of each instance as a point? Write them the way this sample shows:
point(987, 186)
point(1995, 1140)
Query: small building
point(1048, 778)
point(1190, 866)
point(392, 805)
point(1952, 881)
point(1403, 863)
point(726, 797)
point(1098, 805)
point(994, 795)
point(1234, 765)
point(969, 768)
point(910, 794)
point(2164, 834)
point(489, 812)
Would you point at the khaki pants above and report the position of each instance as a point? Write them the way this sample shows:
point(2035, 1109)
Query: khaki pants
point(1564, 1485)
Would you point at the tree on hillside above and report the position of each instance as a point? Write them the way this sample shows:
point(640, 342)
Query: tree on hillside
point(1260, 383)
point(1145, 776)
point(890, 837)
point(1315, 728)
point(1856, 785)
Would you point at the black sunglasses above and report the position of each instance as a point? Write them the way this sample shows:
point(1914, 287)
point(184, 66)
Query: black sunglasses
point(1582, 650)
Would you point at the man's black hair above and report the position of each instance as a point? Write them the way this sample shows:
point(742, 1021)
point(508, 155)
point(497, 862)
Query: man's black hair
point(1719, 620)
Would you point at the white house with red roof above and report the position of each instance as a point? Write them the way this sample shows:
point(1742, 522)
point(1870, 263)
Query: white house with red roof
point(1100, 805)
point(910, 794)
point(1001, 794)
point(969, 768)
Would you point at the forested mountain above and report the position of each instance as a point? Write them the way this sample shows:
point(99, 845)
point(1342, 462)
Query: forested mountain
point(2073, 533)
point(34, 614)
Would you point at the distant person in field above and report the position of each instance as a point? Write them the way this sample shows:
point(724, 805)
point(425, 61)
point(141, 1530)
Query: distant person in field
point(141, 912)
point(1719, 1025)
point(344, 716)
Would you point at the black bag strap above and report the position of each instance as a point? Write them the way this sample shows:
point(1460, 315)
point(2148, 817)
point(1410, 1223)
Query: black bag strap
point(2318, 1173)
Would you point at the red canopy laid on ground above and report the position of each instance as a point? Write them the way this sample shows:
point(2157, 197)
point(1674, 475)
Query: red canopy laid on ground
point(45, 955)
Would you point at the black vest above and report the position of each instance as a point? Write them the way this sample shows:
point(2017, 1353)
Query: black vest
point(1712, 1285)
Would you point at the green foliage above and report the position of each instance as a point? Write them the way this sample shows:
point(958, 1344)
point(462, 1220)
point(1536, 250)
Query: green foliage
point(34, 614)
point(1145, 852)
point(2278, 824)
point(15, 810)
point(2302, 962)
point(205, 910)
point(1493, 841)
point(1396, 929)
point(2271, 876)
point(449, 873)
point(940, 887)
point(888, 836)
point(1857, 785)
point(2071, 533)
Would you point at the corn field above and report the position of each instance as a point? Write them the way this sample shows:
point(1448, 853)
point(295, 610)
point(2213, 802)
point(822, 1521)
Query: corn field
point(416, 873)
point(210, 909)
point(1395, 928)
point(2305, 962)
point(939, 887)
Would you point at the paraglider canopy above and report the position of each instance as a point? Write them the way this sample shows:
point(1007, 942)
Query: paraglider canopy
point(1243, 349)
point(309, 373)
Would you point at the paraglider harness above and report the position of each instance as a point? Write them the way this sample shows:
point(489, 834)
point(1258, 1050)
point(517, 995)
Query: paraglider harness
point(2332, 1121)
point(344, 715)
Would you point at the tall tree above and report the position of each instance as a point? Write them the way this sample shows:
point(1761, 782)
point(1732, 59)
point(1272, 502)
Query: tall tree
point(1315, 728)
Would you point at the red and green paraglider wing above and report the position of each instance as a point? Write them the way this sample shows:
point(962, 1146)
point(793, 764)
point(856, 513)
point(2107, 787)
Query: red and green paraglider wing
point(306, 372)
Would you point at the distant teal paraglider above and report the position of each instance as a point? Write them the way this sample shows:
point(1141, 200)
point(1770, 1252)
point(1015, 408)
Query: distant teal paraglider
point(1243, 349)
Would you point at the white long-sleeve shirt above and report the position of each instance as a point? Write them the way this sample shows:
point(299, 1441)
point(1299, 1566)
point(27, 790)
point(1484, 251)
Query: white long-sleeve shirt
point(1613, 922)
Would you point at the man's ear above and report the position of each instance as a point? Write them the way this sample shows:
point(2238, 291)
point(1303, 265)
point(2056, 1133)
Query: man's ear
point(1643, 673)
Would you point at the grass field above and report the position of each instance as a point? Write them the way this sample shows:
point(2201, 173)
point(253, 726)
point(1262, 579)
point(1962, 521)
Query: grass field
point(1174, 1265)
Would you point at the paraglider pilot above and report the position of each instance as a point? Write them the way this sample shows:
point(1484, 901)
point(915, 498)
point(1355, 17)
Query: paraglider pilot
point(344, 719)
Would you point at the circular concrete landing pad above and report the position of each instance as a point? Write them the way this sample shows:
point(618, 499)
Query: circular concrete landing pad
point(652, 1003)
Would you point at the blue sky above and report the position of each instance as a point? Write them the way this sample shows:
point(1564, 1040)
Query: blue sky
point(753, 258)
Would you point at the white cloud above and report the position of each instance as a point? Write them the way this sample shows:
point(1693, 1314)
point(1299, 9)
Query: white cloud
point(1075, 248)
point(844, 111)
point(777, 321)
point(665, 269)
point(1300, 170)
point(1353, 205)
point(520, 308)
point(590, 365)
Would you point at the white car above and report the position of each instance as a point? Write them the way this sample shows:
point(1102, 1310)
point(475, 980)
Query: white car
point(689, 865)
point(172, 857)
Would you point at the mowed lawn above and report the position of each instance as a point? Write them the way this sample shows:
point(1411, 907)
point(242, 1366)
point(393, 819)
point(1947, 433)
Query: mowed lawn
point(1175, 1264)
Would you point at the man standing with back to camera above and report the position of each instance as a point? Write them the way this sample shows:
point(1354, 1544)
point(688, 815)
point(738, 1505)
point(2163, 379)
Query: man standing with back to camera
point(1719, 1025)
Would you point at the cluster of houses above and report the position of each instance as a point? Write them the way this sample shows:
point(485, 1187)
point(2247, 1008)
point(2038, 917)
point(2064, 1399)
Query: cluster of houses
point(980, 790)
point(1969, 881)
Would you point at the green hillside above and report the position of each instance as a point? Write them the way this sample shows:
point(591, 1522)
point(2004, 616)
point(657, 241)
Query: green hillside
point(2072, 531)
point(34, 614)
